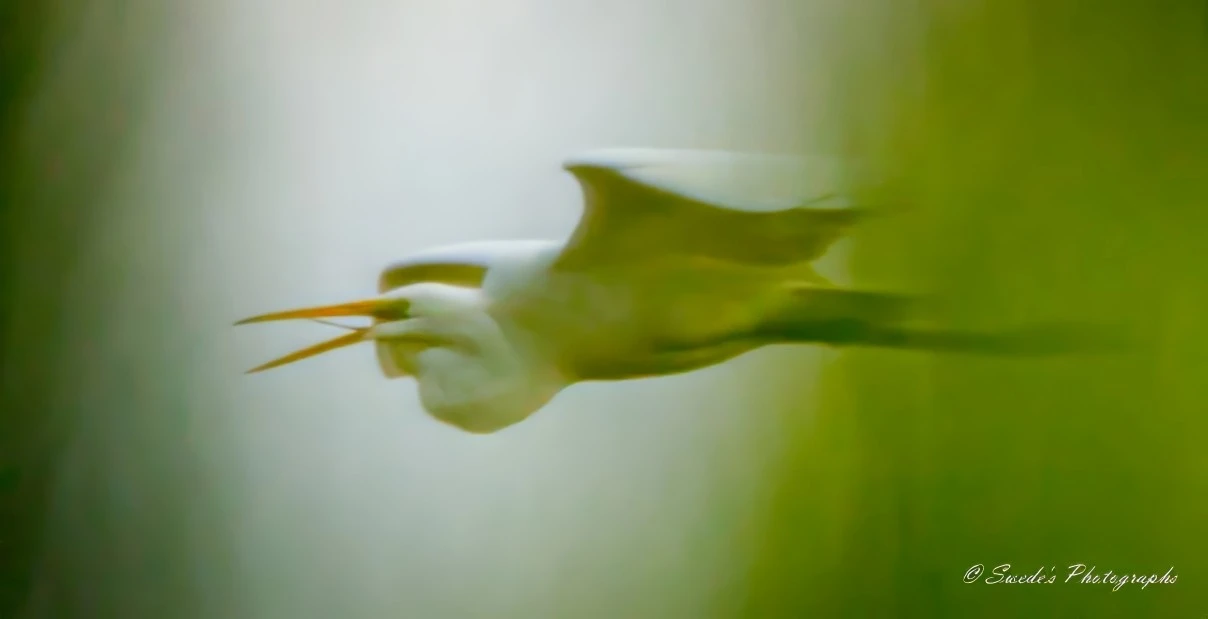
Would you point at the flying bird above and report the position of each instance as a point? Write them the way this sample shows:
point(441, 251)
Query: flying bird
point(681, 259)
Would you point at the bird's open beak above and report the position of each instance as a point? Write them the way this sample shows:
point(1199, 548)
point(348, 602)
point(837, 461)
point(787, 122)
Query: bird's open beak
point(382, 309)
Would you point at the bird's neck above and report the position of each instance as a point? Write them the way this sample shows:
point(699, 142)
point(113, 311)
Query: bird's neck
point(541, 358)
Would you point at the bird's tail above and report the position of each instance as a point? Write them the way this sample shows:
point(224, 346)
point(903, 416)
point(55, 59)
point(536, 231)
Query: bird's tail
point(814, 300)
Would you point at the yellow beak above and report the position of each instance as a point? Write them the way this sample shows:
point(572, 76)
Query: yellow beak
point(382, 309)
point(310, 351)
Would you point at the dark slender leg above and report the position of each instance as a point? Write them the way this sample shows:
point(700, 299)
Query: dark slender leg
point(1040, 340)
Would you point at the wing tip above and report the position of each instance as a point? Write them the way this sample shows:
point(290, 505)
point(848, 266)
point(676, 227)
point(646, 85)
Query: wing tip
point(599, 159)
point(618, 158)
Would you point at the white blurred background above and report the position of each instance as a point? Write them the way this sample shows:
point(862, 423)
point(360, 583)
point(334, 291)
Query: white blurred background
point(288, 152)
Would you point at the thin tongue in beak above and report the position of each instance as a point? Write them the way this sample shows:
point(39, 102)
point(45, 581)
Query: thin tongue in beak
point(382, 309)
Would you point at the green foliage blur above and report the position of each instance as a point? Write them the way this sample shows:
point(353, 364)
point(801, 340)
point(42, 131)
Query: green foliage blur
point(72, 90)
point(1054, 153)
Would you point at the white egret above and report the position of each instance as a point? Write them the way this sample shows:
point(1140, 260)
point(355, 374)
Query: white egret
point(681, 259)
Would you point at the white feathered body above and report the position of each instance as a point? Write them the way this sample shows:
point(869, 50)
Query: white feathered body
point(532, 329)
point(680, 260)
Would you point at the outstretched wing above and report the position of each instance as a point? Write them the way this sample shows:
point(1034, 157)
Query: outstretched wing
point(464, 264)
point(748, 208)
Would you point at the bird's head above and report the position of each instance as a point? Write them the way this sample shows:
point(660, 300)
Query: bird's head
point(470, 374)
point(393, 315)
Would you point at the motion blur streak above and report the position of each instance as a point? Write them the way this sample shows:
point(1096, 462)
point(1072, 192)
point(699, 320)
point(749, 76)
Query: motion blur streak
point(1057, 152)
point(183, 163)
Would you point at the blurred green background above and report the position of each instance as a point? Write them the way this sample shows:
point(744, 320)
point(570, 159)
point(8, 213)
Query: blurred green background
point(1056, 152)
point(169, 167)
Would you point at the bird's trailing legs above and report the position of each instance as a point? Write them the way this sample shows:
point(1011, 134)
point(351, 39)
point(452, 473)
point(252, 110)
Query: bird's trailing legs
point(1039, 340)
point(838, 317)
